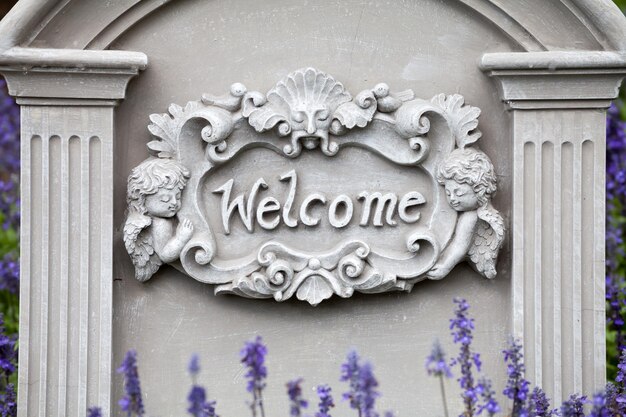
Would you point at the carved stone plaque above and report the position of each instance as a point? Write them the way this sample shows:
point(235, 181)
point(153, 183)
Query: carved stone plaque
point(307, 191)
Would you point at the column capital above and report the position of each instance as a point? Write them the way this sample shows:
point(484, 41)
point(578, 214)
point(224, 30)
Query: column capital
point(65, 77)
point(556, 79)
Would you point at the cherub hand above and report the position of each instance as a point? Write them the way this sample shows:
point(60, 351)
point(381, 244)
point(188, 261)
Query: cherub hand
point(184, 229)
point(438, 271)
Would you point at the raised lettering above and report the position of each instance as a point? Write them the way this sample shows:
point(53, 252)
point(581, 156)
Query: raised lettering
point(245, 210)
point(268, 205)
point(308, 220)
point(390, 200)
point(410, 199)
point(292, 177)
point(332, 211)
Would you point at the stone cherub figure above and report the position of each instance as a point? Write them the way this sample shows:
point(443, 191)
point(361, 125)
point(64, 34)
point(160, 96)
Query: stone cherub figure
point(470, 182)
point(151, 234)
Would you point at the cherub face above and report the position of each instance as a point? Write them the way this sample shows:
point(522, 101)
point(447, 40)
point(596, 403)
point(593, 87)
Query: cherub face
point(163, 203)
point(461, 196)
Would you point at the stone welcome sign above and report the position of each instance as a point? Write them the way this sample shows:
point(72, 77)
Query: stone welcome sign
point(342, 160)
point(422, 205)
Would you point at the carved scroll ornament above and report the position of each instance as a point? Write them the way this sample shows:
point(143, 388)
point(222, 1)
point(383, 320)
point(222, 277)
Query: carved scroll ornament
point(178, 215)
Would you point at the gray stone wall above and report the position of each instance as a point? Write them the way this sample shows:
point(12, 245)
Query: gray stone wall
point(171, 316)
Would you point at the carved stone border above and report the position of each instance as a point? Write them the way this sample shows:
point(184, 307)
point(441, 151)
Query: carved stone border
point(309, 109)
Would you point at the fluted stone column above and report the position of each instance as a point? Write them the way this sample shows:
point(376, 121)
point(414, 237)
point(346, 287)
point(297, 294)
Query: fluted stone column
point(558, 102)
point(67, 113)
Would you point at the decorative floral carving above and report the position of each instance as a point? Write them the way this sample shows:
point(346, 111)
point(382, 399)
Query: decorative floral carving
point(315, 111)
point(311, 277)
point(309, 104)
point(462, 119)
point(303, 105)
point(216, 113)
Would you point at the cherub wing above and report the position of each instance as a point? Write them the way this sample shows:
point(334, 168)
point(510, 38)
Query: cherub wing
point(140, 247)
point(487, 241)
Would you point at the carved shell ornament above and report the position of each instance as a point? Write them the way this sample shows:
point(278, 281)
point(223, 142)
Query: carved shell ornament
point(300, 231)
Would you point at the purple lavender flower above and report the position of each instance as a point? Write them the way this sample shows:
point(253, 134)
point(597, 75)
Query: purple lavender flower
point(461, 327)
point(9, 200)
point(615, 225)
point(350, 372)
point(436, 362)
point(194, 365)
point(436, 365)
point(326, 401)
point(296, 402)
point(8, 402)
point(490, 405)
point(198, 404)
point(9, 161)
point(517, 387)
point(574, 406)
point(9, 228)
point(209, 408)
point(615, 400)
point(368, 387)
point(9, 131)
point(600, 407)
point(616, 153)
point(8, 352)
point(131, 402)
point(363, 383)
point(253, 356)
point(539, 404)
point(621, 369)
point(94, 412)
point(196, 398)
point(10, 273)
point(616, 394)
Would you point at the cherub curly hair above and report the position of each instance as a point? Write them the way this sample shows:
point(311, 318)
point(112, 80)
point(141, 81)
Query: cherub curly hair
point(470, 166)
point(150, 176)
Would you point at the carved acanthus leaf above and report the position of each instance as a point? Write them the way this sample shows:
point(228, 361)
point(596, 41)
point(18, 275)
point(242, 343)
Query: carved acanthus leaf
point(358, 112)
point(162, 128)
point(166, 128)
point(263, 118)
point(462, 119)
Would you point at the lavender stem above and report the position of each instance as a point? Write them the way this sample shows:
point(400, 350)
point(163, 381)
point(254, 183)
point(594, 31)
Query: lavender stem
point(443, 396)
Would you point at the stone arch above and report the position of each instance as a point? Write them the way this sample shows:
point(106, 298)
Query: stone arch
point(591, 24)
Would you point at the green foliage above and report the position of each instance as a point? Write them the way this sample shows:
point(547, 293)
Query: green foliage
point(9, 303)
point(9, 240)
point(621, 4)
